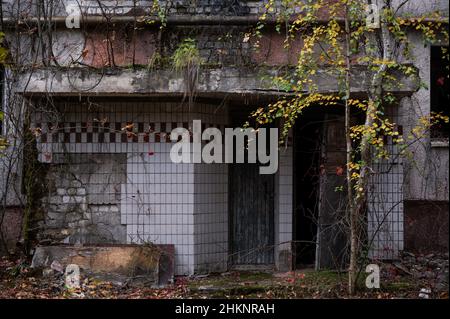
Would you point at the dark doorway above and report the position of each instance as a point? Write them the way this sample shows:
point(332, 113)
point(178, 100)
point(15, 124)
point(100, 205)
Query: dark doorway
point(307, 155)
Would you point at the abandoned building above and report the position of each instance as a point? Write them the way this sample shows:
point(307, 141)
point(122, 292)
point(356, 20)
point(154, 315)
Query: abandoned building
point(103, 110)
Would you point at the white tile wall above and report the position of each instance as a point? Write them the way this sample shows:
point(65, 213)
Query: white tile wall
point(211, 217)
point(285, 199)
point(385, 207)
point(161, 202)
point(157, 206)
point(211, 211)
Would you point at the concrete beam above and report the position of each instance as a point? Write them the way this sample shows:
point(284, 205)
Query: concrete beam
point(227, 80)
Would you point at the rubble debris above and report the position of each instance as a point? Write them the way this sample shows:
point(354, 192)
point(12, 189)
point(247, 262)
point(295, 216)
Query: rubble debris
point(424, 293)
point(72, 275)
point(56, 266)
point(432, 267)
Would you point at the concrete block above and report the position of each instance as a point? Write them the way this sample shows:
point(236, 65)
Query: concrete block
point(75, 183)
point(80, 199)
point(55, 199)
point(72, 191)
point(149, 265)
point(103, 209)
point(114, 209)
point(66, 199)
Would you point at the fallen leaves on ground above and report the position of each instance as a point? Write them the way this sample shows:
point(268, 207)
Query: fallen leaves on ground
point(19, 281)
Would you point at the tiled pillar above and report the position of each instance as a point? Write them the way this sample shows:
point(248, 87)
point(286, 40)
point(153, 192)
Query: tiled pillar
point(211, 205)
point(385, 202)
point(211, 217)
point(158, 204)
point(385, 210)
point(284, 209)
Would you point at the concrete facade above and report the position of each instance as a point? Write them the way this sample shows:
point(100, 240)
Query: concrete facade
point(105, 139)
point(109, 187)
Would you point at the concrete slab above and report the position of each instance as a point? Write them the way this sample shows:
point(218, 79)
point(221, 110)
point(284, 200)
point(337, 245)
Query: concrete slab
point(150, 265)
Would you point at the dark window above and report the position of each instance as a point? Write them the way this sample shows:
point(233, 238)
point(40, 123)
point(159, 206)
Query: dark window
point(440, 88)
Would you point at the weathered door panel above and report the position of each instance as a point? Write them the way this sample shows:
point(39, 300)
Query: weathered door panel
point(332, 241)
point(252, 215)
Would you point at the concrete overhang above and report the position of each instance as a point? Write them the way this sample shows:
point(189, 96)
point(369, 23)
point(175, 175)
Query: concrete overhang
point(229, 81)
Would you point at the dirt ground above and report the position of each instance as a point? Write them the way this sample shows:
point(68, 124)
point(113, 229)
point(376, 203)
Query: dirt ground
point(17, 280)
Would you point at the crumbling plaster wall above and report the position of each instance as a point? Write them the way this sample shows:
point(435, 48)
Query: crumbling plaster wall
point(121, 45)
point(82, 206)
point(420, 7)
point(427, 168)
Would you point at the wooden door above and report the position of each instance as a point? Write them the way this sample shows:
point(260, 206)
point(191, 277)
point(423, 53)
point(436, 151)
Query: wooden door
point(252, 215)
